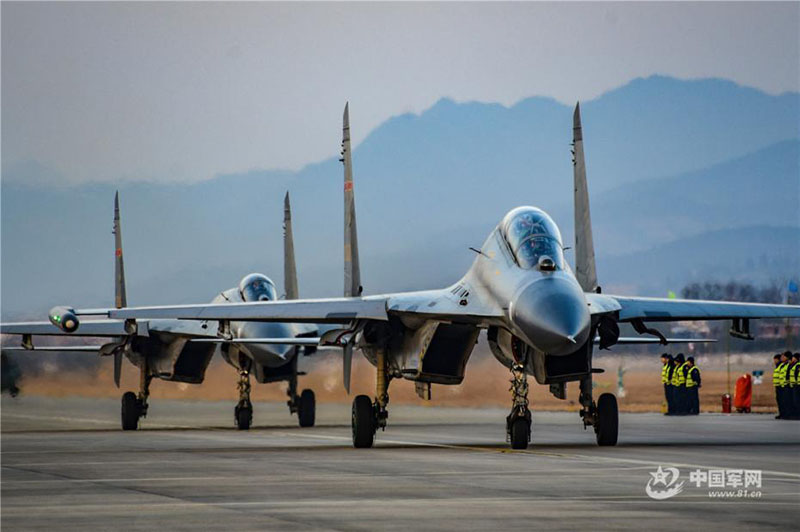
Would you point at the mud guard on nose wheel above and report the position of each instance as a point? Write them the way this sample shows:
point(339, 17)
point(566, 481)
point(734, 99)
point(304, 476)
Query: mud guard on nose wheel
point(607, 425)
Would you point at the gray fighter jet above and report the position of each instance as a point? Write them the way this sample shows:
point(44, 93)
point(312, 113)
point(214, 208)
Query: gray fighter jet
point(180, 350)
point(541, 318)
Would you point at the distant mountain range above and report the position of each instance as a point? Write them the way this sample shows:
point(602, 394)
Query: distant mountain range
point(687, 178)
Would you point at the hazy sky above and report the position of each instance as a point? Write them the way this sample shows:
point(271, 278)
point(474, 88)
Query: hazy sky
point(179, 91)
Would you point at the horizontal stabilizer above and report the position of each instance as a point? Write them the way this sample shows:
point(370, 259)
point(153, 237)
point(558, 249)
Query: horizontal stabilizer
point(269, 341)
point(648, 340)
point(63, 348)
point(45, 328)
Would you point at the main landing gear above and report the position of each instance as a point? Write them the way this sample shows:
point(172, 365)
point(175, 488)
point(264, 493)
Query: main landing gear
point(603, 415)
point(243, 413)
point(518, 422)
point(304, 405)
point(135, 407)
point(369, 416)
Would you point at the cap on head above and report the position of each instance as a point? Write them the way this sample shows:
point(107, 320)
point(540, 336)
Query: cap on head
point(776, 357)
point(690, 359)
point(679, 357)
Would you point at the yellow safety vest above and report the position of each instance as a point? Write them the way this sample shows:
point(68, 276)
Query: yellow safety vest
point(781, 374)
point(665, 373)
point(678, 379)
point(792, 374)
point(690, 382)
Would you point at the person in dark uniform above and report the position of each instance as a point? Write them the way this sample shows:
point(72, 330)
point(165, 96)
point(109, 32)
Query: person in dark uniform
point(778, 378)
point(793, 386)
point(692, 387)
point(679, 386)
point(667, 367)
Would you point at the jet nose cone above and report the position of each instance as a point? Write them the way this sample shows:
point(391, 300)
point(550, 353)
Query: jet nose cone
point(553, 316)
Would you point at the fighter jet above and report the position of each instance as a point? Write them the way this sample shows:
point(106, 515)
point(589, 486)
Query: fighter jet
point(541, 317)
point(180, 350)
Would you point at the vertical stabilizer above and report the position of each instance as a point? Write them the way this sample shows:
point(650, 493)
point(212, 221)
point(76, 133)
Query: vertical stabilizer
point(289, 265)
point(584, 244)
point(120, 296)
point(352, 271)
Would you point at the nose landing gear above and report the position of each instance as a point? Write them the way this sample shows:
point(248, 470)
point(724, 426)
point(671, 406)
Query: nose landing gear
point(304, 405)
point(243, 413)
point(518, 422)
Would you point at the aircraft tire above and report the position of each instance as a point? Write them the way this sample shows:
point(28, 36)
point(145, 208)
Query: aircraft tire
point(130, 411)
point(607, 427)
point(307, 409)
point(520, 433)
point(244, 417)
point(363, 422)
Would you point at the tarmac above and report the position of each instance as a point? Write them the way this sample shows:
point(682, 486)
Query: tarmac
point(67, 465)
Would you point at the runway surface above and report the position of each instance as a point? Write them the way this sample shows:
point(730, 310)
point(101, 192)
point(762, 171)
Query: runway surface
point(66, 465)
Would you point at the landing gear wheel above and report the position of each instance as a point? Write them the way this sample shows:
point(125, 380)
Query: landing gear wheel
point(307, 409)
point(130, 411)
point(607, 425)
point(520, 433)
point(244, 417)
point(363, 422)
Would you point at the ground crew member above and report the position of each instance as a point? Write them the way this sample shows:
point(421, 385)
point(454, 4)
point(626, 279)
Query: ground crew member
point(667, 367)
point(679, 386)
point(692, 387)
point(779, 382)
point(793, 380)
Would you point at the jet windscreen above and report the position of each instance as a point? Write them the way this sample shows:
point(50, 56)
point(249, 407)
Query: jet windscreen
point(531, 235)
point(257, 287)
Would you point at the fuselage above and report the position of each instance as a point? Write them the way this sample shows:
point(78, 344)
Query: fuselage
point(522, 268)
point(268, 355)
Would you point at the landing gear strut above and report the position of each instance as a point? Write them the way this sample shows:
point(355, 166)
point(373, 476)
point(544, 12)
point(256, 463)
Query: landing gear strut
point(603, 415)
point(304, 405)
point(243, 413)
point(518, 422)
point(369, 416)
point(135, 407)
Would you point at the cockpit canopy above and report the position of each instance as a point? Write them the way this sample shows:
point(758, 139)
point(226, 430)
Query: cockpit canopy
point(257, 287)
point(531, 234)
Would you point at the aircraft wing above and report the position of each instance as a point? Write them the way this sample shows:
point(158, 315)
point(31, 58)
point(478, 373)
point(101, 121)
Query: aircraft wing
point(268, 341)
point(663, 309)
point(45, 328)
point(445, 305)
point(433, 304)
point(335, 310)
point(59, 348)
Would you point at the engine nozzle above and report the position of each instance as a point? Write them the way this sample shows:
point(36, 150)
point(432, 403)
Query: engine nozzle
point(64, 318)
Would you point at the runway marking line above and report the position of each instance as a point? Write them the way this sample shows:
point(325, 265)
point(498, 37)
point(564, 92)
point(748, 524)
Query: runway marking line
point(292, 506)
point(534, 452)
point(88, 420)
